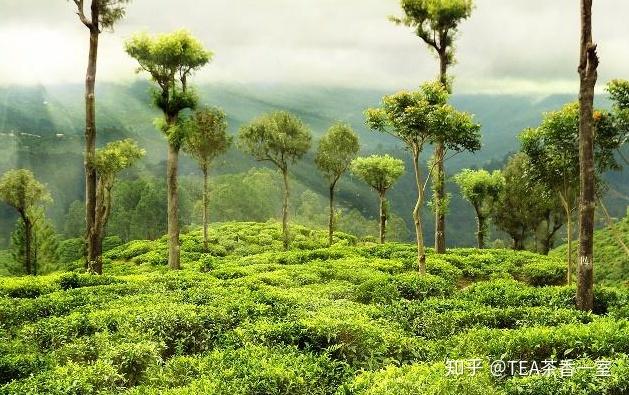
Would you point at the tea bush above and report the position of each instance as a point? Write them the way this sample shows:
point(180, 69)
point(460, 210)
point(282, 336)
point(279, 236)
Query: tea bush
point(247, 317)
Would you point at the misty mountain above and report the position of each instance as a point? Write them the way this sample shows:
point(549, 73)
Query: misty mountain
point(41, 127)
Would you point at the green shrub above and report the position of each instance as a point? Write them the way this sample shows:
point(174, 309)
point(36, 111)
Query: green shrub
point(27, 287)
point(441, 320)
point(132, 360)
point(601, 338)
point(18, 366)
point(131, 249)
point(544, 272)
point(71, 250)
point(377, 291)
point(414, 286)
point(154, 258)
point(70, 379)
point(419, 379)
point(250, 370)
point(76, 280)
point(111, 242)
point(207, 263)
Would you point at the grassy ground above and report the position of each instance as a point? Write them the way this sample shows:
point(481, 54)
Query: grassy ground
point(248, 318)
point(610, 259)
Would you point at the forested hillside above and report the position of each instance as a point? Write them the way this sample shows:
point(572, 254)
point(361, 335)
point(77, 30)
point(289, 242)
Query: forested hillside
point(41, 129)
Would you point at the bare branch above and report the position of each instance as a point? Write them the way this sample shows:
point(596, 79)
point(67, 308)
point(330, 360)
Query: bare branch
point(81, 13)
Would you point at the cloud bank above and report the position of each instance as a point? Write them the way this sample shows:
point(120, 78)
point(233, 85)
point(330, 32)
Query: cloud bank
point(508, 46)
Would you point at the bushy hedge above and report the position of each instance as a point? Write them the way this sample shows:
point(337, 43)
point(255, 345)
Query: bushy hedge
point(247, 317)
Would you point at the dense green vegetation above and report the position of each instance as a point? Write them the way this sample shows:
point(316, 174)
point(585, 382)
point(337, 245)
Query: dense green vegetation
point(249, 318)
point(124, 111)
point(608, 251)
point(233, 301)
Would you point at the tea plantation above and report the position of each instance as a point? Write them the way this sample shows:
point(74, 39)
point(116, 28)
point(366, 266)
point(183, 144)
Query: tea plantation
point(355, 318)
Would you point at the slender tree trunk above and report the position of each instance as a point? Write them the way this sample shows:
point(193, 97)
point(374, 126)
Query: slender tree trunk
point(419, 234)
point(90, 139)
point(546, 245)
point(96, 265)
point(480, 229)
point(567, 210)
point(588, 64)
point(28, 236)
point(205, 208)
point(383, 218)
point(440, 216)
point(173, 207)
point(331, 219)
point(517, 243)
point(285, 210)
point(569, 231)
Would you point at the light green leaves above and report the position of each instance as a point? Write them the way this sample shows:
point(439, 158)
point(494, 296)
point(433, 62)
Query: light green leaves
point(379, 172)
point(205, 135)
point(337, 148)
point(117, 156)
point(481, 188)
point(170, 59)
point(21, 190)
point(423, 116)
point(278, 137)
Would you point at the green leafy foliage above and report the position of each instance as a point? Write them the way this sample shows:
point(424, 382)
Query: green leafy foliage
point(351, 318)
point(379, 172)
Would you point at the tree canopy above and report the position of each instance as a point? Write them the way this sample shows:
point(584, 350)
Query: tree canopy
point(482, 189)
point(279, 137)
point(206, 135)
point(379, 172)
point(436, 22)
point(21, 190)
point(337, 148)
point(170, 59)
point(115, 157)
point(424, 116)
point(109, 12)
point(552, 147)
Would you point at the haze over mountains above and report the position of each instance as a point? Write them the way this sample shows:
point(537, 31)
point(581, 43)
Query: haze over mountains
point(52, 116)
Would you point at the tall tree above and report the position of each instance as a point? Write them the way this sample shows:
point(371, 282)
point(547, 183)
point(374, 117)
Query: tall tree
point(518, 206)
point(553, 148)
point(482, 189)
point(206, 139)
point(170, 59)
point(44, 243)
point(525, 205)
point(436, 22)
point(588, 64)
point(109, 161)
point(21, 190)
point(103, 14)
point(421, 117)
point(380, 173)
point(280, 138)
point(337, 148)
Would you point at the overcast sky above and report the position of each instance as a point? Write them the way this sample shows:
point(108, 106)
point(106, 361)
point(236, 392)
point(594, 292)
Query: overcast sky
point(507, 45)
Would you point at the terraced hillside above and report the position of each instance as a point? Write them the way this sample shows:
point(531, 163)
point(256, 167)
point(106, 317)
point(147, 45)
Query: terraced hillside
point(248, 318)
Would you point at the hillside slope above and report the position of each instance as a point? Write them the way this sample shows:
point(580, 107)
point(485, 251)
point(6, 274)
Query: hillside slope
point(610, 259)
point(51, 118)
point(249, 318)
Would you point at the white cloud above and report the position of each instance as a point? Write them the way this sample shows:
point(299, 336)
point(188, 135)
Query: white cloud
point(507, 45)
